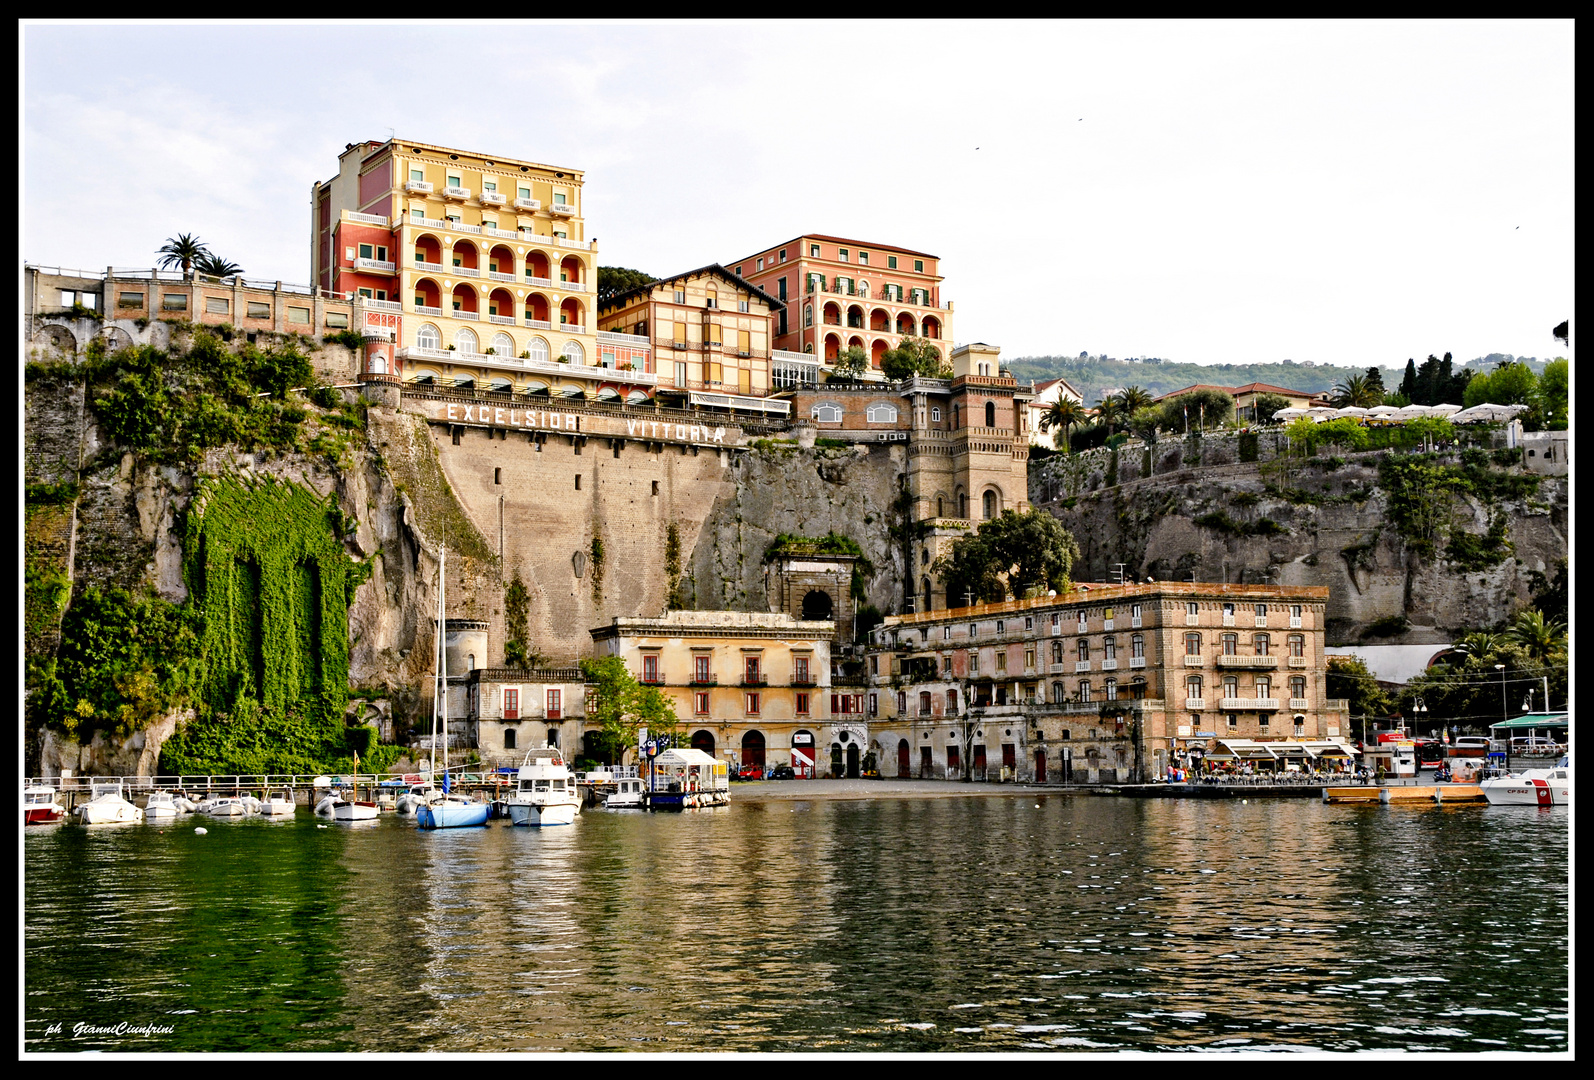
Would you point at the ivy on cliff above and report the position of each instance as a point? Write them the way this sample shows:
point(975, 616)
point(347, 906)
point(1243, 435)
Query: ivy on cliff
point(832, 543)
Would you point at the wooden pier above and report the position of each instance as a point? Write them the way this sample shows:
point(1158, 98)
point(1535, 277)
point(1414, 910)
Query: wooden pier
point(1406, 793)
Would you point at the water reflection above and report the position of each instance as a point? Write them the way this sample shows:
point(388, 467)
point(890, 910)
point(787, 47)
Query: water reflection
point(898, 925)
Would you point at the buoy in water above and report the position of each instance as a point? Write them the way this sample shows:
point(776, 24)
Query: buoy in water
point(200, 831)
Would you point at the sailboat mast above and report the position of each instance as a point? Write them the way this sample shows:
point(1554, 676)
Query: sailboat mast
point(442, 655)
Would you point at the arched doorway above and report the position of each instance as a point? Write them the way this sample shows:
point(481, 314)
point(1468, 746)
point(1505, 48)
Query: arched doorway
point(753, 748)
point(853, 770)
point(704, 741)
point(836, 768)
point(1040, 766)
point(817, 605)
point(904, 761)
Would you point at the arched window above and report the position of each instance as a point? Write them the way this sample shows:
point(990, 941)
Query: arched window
point(1192, 686)
point(465, 340)
point(1082, 650)
point(1112, 689)
point(575, 353)
point(1192, 644)
point(1059, 693)
point(951, 702)
point(990, 505)
point(927, 597)
point(1084, 690)
point(503, 345)
point(1137, 688)
point(1109, 647)
point(1231, 644)
point(428, 337)
point(538, 348)
point(1297, 645)
point(1263, 644)
point(940, 506)
point(1057, 652)
point(990, 414)
point(881, 413)
point(1298, 687)
point(827, 413)
point(808, 318)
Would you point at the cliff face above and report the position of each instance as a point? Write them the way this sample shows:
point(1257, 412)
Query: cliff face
point(1333, 523)
point(805, 492)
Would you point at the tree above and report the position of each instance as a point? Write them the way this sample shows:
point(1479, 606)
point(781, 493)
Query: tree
point(614, 280)
point(1143, 424)
point(915, 356)
point(182, 251)
point(213, 265)
point(1348, 678)
point(1132, 399)
point(1553, 394)
point(1108, 412)
point(1509, 384)
point(517, 603)
point(1358, 391)
point(1014, 553)
point(1563, 333)
point(621, 707)
point(1064, 414)
point(1268, 404)
point(1550, 593)
point(1543, 639)
point(1207, 407)
point(850, 364)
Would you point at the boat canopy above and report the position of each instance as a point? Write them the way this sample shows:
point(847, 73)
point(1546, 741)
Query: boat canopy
point(1533, 720)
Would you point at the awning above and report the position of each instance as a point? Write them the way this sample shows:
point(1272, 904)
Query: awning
point(1244, 750)
point(1533, 720)
point(608, 393)
point(1332, 749)
point(636, 397)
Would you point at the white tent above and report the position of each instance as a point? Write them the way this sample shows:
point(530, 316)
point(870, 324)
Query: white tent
point(1487, 413)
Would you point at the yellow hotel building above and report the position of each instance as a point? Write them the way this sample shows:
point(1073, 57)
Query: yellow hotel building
point(475, 270)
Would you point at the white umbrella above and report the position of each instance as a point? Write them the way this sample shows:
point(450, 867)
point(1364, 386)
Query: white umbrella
point(1447, 409)
point(1382, 410)
point(1291, 413)
point(1355, 412)
point(1487, 413)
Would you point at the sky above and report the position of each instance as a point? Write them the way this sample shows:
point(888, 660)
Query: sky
point(1212, 192)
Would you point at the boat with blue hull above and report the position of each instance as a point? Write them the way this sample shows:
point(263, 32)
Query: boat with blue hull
point(445, 810)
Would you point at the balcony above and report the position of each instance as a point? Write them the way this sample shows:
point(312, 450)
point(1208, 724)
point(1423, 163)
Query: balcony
point(422, 309)
point(540, 282)
point(456, 193)
point(1081, 665)
point(1137, 661)
point(464, 271)
point(1228, 620)
point(539, 324)
point(1248, 661)
point(1295, 622)
point(502, 320)
point(617, 338)
point(423, 187)
point(511, 714)
point(755, 681)
point(1192, 620)
point(1299, 661)
point(1109, 664)
point(1194, 661)
point(804, 681)
point(1299, 704)
point(494, 198)
point(430, 267)
point(473, 316)
point(375, 266)
point(1245, 704)
point(1261, 622)
point(494, 275)
point(562, 209)
point(651, 680)
point(384, 305)
point(1106, 624)
point(1195, 704)
point(1058, 669)
point(707, 680)
point(506, 234)
point(527, 204)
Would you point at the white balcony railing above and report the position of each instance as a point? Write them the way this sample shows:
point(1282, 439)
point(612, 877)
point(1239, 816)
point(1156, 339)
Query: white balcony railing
point(540, 282)
point(494, 198)
point(376, 266)
point(422, 309)
point(1137, 661)
point(384, 305)
point(430, 267)
point(618, 338)
point(1192, 620)
point(456, 193)
point(1248, 661)
point(489, 230)
point(1106, 624)
point(369, 219)
point(1109, 665)
point(1295, 622)
point(539, 324)
point(1081, 665)
point(502, 320)
point(1298, 661)
point(1299, 703)
point(527, 204)
point(496, 276)
point(464, 271)
point(473, 316)
point(1244, 704)
point(1194, 661)
point(422, 186)
point(1134, 622)
point(541, 367)
point(564, 209)
point(1228, 620)
point(1195, 704)
point(1261, 621)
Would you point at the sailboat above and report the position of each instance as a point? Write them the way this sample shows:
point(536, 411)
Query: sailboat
point(447, 811)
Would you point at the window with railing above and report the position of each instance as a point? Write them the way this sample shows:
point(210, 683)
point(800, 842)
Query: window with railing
point(555, 698)
point(1231, 645)
point(1192, 644)
point(1264, 645)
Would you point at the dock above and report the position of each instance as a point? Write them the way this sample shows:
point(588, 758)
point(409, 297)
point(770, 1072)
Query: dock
point(1414, 793)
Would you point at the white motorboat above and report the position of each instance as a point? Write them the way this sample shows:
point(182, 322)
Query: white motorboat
point(630, 793)
point(338, 808)
point(40, 805)
point(545, 790)
point(1532, 787)
point(225, 806)
point(107, 806)
point(417, 796)
point(278, 804)
point(163, 806)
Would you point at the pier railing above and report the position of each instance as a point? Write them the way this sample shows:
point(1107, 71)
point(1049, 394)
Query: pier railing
point(466, 775)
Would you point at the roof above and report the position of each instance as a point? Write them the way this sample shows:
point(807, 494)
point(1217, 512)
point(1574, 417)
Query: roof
point(1269, 388)
point(1198, 386)
point(843, 240)
point(713, 268)
point(1534, 720)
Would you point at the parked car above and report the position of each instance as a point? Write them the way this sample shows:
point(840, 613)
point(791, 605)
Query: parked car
point(783, 772)
point(750, 772)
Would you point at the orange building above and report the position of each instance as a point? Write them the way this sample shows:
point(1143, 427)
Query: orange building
point(840, 293)
point(476, 269)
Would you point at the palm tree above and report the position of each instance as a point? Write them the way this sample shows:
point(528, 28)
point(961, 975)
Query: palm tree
point(1109, 411)
point(1357, 391)
point(1132, 399)
point(213, 265)
point(1542, 638)
point(184, 251)
point(1065, 413)
point(1480, 644)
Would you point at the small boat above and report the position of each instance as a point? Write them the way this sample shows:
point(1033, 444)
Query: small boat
point(628, 795)
point(40, 805)
point(107, 806)
point(416, 797)
point(545, 791)
point(338, 808)
point(688, 779)
point(449, 811)
point(225, 806)
point(163, 806)
point(278, 804)
point(1532, 787)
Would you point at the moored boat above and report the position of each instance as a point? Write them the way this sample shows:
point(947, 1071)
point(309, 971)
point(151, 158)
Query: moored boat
point(687, 779)
point(227, 806)
point(1532, 787)
point(449, 811)
point(335, 806)
point(278, 804)
point(107, 806)
point(40, 805)
point(163, 806)
point(627, 795)
point(545, 790)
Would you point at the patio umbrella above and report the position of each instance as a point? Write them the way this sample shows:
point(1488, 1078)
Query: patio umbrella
point(1354, 412)
point(1487, 413)
point(1382, 410)
point(1446, 409)
point(1291, 413)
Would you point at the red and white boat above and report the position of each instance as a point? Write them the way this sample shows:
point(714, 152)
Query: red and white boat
point(40, 805)
point(1532, 787)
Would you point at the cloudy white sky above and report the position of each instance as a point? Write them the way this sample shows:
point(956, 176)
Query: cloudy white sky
point(1339, 192)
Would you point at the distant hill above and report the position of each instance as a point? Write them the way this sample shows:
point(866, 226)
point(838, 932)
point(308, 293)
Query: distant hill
point(1094, 375)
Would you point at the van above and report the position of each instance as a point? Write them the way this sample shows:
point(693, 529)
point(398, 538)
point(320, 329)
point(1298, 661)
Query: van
point(1470, 746)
